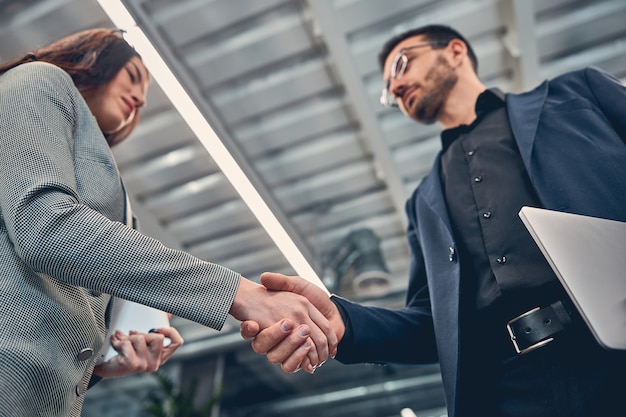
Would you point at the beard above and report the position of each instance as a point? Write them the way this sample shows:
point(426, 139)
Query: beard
point(438, 82)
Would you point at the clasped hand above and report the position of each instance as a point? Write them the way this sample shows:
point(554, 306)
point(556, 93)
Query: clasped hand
point(296, 342)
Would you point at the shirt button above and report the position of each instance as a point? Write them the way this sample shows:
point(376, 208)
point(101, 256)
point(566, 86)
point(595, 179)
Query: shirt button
point(470, 153)
point(478, 179)
point(85, 354)
point(487, 214)
point(501, 260)
point(451, 254)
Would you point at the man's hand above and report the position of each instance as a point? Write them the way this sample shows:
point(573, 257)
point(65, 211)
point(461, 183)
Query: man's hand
point(288, 347)
point(139, 352)
point(281, 342)
point(266, 308)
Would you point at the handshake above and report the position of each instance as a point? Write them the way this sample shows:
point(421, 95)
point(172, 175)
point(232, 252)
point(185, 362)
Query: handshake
point(290, 320)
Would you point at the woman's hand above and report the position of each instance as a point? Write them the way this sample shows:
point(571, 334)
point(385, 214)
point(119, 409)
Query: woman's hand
point(139, 352)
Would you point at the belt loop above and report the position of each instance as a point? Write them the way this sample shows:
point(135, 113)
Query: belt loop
point(562, 313)
point(538, 326)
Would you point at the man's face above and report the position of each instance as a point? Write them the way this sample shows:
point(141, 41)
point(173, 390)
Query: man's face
point(423, 88)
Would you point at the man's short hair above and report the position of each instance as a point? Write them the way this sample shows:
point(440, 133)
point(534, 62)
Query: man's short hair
point(433, 33)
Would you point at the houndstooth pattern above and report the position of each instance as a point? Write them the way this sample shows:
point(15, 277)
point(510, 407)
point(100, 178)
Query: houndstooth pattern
point(62, 241)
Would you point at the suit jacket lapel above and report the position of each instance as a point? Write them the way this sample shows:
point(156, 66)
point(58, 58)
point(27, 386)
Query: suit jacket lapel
point(524, 111)
point(432, 192)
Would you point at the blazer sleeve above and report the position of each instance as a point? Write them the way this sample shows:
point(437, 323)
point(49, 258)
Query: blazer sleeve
point(58, 236)
point(383, 335)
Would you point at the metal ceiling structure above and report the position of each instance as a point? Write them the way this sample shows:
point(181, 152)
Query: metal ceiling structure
point(291, 87)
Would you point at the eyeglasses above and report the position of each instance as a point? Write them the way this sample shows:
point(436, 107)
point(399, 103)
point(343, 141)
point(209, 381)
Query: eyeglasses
point(398, 66)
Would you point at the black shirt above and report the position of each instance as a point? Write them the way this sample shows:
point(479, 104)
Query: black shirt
point(485, 185)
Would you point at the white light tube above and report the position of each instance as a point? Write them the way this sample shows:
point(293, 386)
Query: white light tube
point(122, 19)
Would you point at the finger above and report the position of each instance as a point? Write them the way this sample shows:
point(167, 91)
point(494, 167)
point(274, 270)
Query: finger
point(124, 348)
point(249, 329)
point(176, 341)
point(315, 356)
point(139, 342)
point(127, 361)
point(273, 336)
point(172, 334)
point(319, 327)
point(312, 359)
point(148, 347)
point(306, 365)
point(154, 343)
point(286, 348)
point(298, 359)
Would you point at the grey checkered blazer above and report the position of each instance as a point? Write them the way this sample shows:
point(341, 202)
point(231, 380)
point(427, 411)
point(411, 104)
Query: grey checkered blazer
point(63, 247)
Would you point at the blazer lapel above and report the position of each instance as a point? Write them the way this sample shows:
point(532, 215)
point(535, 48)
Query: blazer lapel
point(443, 284)
point(432, 193)
point(524, 111)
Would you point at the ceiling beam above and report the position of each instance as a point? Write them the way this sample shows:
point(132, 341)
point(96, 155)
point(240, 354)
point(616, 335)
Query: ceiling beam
point(521, 42)
point(335, 41)
point(211, 115)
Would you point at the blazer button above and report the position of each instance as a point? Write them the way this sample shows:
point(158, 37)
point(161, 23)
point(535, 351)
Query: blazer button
point(96, 293)
point(451, 254)
point(80, 389)
point(85, 354)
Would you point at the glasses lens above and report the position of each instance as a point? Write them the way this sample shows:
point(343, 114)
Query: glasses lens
point(387, 99)
point(398, 65)
point(384, 97)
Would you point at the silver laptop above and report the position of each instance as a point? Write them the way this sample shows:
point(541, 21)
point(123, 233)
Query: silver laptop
point(588, 254)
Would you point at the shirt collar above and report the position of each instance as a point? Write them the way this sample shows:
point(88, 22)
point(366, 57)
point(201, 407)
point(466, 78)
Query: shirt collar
point(488, 101)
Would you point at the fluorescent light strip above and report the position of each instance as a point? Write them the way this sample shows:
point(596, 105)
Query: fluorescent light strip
point(121, 18)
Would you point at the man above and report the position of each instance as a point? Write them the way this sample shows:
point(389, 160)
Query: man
point(474, 268)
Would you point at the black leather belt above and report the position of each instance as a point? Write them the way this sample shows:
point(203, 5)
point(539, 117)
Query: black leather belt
point(538, 327)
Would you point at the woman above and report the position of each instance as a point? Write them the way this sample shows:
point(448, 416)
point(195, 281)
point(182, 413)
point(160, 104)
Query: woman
point(64, 246)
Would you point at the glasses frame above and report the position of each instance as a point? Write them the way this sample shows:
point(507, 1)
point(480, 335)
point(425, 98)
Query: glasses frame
point(387, 99)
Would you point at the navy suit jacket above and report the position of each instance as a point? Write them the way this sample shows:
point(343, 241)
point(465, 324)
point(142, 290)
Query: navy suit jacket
point(571, 133)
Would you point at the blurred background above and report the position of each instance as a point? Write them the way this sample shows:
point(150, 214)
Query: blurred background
point(291, 88)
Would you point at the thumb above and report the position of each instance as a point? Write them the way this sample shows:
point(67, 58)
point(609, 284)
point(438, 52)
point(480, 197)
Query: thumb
point(249, 329)
point(298, 285)
point(279, 282)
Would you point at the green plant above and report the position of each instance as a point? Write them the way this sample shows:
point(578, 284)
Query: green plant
point(170, 400)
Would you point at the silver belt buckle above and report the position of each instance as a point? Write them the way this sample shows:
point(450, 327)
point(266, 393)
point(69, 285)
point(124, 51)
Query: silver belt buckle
point(514, 338)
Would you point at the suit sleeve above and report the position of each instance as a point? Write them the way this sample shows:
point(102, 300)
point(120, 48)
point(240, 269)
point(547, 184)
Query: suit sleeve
point(382, 335)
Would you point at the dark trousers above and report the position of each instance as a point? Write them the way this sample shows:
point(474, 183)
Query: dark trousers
point(563, 381)
point(570, 377)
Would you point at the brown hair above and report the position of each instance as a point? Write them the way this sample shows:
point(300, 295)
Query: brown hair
point(92, 58)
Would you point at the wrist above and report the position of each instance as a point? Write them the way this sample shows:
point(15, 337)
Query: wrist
point(241, 303)
point(340, 319)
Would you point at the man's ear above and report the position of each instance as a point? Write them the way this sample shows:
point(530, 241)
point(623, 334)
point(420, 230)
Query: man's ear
point(458, 51)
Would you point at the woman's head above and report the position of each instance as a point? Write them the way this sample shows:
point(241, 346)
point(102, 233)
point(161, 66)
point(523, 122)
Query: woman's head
point(99, 62)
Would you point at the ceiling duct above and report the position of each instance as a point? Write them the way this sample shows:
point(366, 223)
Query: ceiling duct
point(356, 266)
